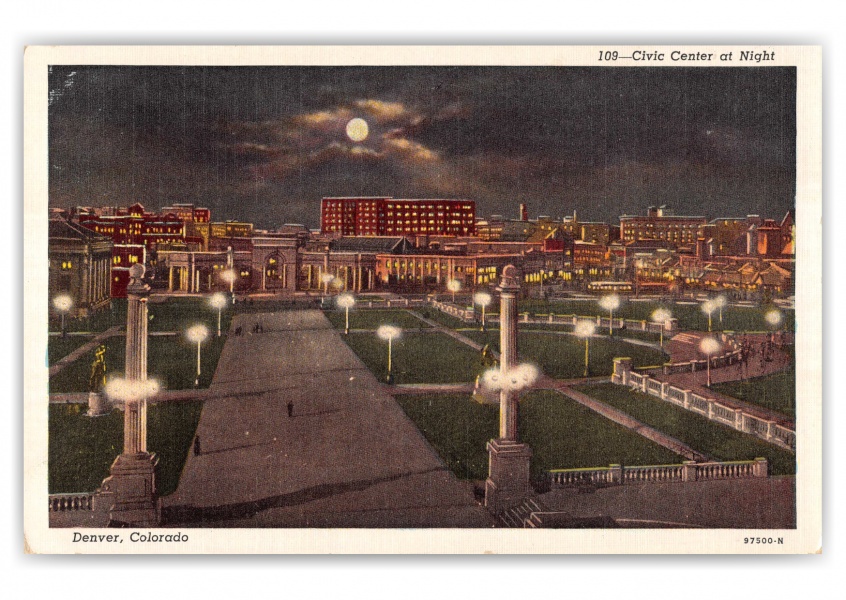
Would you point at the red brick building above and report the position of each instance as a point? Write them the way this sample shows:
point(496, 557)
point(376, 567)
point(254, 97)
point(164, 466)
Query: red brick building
point(380, 216)
point(136, 235)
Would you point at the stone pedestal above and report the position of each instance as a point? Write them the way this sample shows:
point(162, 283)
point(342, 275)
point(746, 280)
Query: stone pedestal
point(130, 489)
point(98, 405)
point(508, 475)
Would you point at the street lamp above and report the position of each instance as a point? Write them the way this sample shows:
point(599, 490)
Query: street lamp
point(709, 346)
point(662, 316)
point(584, 330)
point(708, 307)
point(454, 286)
point(217, 301)
point(483, 299)
point(610, 303)
point(389, 332)
point(773, 317)
point(516, 379)
point(124, 390)
point(326, 279)
point(63, 303)
point(197, 334)
point(721, 302)
point(230, 276)
point(346, 301)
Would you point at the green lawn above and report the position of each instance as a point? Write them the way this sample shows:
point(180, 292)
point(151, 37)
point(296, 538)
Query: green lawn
point(373, 318)
point(81, 449)
point(59, 347)
point(776, 391)
point(563, 356)
point(418, 357)
point(719, 441)
point(115, 314)
point(178, 314)
point(690, 316)
point(562, 433)
point(170, 359)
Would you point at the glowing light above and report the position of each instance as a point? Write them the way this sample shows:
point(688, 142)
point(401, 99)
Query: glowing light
point(228, 276)
point(131, 390)
point(610, 302)
point(773, 317)
point(661, 315)
point(197, 333)
point(517, 379)
point(217, 301)
point(345, 301)
point(454, 285)
point(388, 332)
point(584, 329)
point(482, 299)
point(357, 130)
point(709, 346)
point(63, 303)
point(709, 306)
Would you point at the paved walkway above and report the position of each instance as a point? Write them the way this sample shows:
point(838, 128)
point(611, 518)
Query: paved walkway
point(349, 456)
point(84, 349)
point(737, 503)
point(685, 346)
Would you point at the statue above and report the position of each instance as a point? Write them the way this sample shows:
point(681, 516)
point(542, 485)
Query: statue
point(488, 359)
point(97, 379)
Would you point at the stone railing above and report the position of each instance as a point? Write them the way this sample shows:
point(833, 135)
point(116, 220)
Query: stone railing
point(466, 315)
point(732, 356)
point(736, 418)
point(687, 471)
point(71, 502)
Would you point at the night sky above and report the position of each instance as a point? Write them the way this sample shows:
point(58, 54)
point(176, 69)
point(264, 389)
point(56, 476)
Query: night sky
point(266, 144)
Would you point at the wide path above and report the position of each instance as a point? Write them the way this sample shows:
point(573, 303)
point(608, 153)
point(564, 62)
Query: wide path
point(348, 457)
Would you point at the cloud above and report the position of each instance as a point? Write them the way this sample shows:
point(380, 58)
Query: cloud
point(383, 112)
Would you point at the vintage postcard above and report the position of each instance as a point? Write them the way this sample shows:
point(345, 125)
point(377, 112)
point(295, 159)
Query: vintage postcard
point(423, 299)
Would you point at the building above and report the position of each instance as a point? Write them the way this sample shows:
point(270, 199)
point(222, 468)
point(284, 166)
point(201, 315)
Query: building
point(138, 235)
point(79, 265)
point(660, 224)
point(380, 216)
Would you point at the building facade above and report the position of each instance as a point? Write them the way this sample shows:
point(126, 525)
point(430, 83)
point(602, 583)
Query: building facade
point(79, 265)
point(660, 224)
point(368, 216)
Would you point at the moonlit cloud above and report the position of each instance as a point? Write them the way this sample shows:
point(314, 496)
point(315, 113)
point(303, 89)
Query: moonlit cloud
point(266, 144)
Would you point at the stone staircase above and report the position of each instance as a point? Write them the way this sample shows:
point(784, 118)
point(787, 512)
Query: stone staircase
point(518, 515)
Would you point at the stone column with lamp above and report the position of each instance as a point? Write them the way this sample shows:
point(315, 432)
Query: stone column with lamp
point(508, 472)
point(131, 485)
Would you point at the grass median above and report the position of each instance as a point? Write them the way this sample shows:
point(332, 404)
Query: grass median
point(776, 391)
point(81, 449)
point(562, 434)
point(709, 437)
point(373, 318)
point(562, 356)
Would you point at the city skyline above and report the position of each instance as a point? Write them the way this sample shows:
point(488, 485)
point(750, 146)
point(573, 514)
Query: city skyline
point(266, 144)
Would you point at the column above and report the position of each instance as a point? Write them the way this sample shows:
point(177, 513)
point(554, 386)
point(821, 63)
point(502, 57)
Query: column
point(170, 279)
point(508, 484)
point(129, 493)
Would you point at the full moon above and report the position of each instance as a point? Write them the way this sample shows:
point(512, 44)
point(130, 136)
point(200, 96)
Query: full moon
point(357, 130)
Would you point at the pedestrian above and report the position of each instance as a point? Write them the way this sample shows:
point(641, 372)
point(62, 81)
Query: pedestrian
point(197, 446)
point(290, 408)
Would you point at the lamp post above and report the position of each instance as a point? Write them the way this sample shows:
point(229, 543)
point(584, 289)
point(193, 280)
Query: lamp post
point(709, 346)
point(326, 279)
point(610, 303)
point(708, 307)
point(63, 303)
point(229, 276)
point(454, 286)
point(541, 282)
point(773, 317)
point(584, 330)
point(346, 301)
point(389, 332)
point(483, 299)
point(218, 301)
point(720, 302)
point(197, 334)
point(661, 316)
